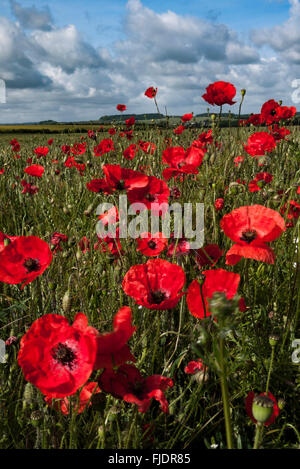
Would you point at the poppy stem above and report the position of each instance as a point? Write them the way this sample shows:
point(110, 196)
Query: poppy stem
point(270, 370)
point(257, 436)
point(225, 397)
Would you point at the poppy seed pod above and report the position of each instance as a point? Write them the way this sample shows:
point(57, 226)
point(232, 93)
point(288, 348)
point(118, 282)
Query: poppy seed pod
point(262, 408)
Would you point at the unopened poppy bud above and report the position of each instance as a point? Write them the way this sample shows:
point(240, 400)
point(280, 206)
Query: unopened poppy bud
point(262, 408)
point(66, 210)
point(78, 254)
point(88, 211)
point(281, 403)
point(201, 279)
point(28, 395)
point(7, 241)
point(66, 302)
point(243, 92)
point(213, 117)
point(280, 102)
point(273, 339)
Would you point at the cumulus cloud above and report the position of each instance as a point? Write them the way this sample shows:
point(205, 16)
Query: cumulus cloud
point(284, 38)
point(52, 72)
point(32, 18)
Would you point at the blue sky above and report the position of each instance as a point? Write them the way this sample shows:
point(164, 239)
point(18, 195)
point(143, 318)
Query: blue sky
point(76, 59)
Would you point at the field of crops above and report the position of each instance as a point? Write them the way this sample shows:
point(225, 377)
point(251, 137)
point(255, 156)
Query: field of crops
point(151, 341)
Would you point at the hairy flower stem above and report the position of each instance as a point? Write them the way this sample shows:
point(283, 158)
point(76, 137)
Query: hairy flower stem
point(270, 369)
point(225, 397)
point(257, 436)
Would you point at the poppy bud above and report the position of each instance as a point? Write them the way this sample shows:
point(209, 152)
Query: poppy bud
point(281, 403)
point(280, 102)
point(7, 241)
point(273, 339)
point(28, 395)
point(66, 302)
point(243, 92)
point(262, 408)
point(213, 117)
point(201, 279)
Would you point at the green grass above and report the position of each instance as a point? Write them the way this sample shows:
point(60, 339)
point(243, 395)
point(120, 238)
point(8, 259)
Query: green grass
point(196, 412)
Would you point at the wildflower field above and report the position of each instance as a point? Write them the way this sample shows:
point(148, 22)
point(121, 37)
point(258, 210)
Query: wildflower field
point(146, 341)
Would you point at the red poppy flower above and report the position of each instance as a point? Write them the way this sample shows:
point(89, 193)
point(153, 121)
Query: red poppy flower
point(208, 255)
point(79, 148)
point(29, 188)
point(268, 112)
point(147, 147)
point(112, 131)
point(56, 239)
point(251, 227)
point(260, 143)
point(220, 93)
point(182, 161)
point(118, 178)
point(56, 357)
point(279, 133)
point(179, 130)
point(178, 247)
point(218, 280)
point(110, 217)
point(261, 179)
point(64, 405)
point(50, 141)
point(66, 149)
point(128, 384)
point(249, 402)
point(187, 117)
point(2, 171)
point(110, 243)
point(130, 152)
point(155, 285)
point(15, 145)
point(41, 151)
point(112, 348)
point(151, 92)
point(284, 112)
point(91, 134)
point(105, 146)
point(153, 195)
point(121, 107)
point(84, 244)
point(219, 204)
point(24, 259)
point(195, 366)
point(150, 245)
point(293, 209)
point(238, 160)
point(255, 119)
point(35, 170)
point(129, 122)
point(205, 139)
point(98, 185)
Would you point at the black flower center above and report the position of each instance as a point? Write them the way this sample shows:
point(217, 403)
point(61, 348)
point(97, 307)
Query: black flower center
point(32, 265)
point(138, 389)
point(150, 197)
point(157, 297)
point(121, 185)
point(152, 244)
point(249, 236)
point(63, 354)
